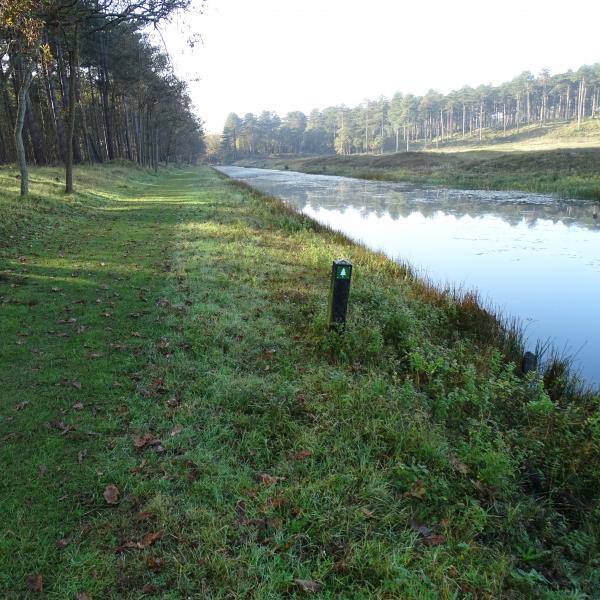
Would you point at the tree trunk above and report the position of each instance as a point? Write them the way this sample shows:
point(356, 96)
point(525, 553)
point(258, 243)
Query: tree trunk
point(20, 120)
point(73, 66)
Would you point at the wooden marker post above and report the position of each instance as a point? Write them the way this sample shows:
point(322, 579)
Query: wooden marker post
point(339, 291)
point(529, 362)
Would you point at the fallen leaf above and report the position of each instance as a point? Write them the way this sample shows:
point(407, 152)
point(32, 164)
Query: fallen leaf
point(417, 490)
point(78, 406)
point(150, 538)
point(368, 513)
point(149, 589)
point(63, 542)
point(94, 355)
point(21, 405)
point(147, 439)
point(81, 456)
point(83, 596)
point(35, 583)
point(308, 585)
point(76, 384)
point(42, 470)
point(434, 540)
point(301, 455)
point(274, 503)
point(154, 564)
point(428, 538)
point(143, 516)
point(64, 427)
point(458, 465)
point(267, 479)
point(176, 431)
point(111, 494)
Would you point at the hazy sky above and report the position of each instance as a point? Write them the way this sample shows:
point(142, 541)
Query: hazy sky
point(286, 55)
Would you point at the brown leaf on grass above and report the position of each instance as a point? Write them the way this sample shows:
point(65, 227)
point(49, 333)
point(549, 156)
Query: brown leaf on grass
point(308, 585)
point(143, 516)
point(42, 470)
point(136, 334)
point(35, 583)
point(76, 384)
point(149, 589)
point(81, 455)
point(428, 538)
point(78, 406)
point(63, 542)
point(417, 490)
point(21, 405)
point(434, 540)
point(368, 513)
point(83, 596)
point(107, 314)
point(81, 329)
point(94, 355)
point(111, 494)
point(154, 564)
point(301, 455)
point(144, 440)
point(274, 503)
point(64, 427)
point(118, 346)
point(177, 430)
point(458, 465)
point(267, 479)
point(150, 538)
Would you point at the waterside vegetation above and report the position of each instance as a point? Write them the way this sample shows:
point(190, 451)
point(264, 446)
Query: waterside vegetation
point(183, 423)
point(566, 173)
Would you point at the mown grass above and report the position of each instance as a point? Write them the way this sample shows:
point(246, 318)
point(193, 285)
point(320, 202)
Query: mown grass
point(569, 173)
point(407, 458)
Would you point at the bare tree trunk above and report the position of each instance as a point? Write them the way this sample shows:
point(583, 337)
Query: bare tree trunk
point(20, 120)
point(73, 66)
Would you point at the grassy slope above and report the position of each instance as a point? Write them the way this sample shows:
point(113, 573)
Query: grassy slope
point(405, 459)
point(556, 159)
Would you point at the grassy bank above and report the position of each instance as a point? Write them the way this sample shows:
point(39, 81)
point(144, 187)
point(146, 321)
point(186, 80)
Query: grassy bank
point(177, 421)
point(570, 173)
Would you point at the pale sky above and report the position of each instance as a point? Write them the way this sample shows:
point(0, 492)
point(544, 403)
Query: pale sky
point(286, 55)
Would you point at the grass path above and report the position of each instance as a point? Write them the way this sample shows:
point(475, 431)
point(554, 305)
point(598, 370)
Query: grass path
point(176, 421)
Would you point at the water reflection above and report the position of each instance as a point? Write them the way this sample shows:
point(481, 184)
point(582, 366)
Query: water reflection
point(531, 256)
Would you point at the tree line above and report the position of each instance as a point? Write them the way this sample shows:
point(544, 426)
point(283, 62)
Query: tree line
point(392, 125)
point(80, 81)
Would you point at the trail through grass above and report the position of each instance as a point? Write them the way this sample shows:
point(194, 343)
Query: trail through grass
point(165, 334)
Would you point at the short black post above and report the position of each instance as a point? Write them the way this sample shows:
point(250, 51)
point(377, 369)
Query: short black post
point(529, 362)
point(341, 274)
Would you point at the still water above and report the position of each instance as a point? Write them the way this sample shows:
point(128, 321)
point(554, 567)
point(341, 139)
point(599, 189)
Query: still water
point(530, 256)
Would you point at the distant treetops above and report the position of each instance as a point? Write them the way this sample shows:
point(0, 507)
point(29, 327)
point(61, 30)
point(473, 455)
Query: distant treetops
point(393, 124)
